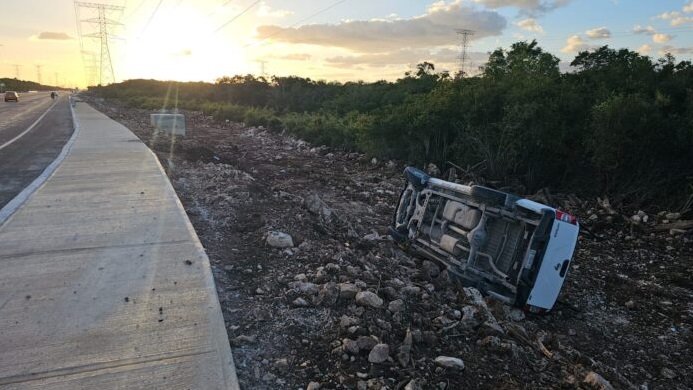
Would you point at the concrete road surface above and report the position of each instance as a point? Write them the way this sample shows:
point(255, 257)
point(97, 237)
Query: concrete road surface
point(25, 154)
point(103, 281)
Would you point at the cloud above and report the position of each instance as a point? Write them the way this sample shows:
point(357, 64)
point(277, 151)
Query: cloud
point(530, 24)
point(644, 49)
point(295, 57)
point(675, 50)
point(435, 28)
point(266, 11)
point(688, 7)
point(54, 36)
point(527, 7)
point(575, 44)
point(649, 30)
point(661, 38)
point(675, 18)
point(398, 57)
point(598, 33)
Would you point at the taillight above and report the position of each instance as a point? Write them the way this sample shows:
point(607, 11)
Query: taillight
point(565, 217)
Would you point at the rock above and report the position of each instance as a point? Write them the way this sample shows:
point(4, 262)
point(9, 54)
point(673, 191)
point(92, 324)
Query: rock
point(449, 362)
point(396, 306)
point(413, 384)
point(491, 342)
point(313, 386)
point(348, 290)
point(469, 319)
point(368, 298)
point(429, 338)
point(430, 269)
point(672, 216)
point(382, 324)
point(328, 295)
point(300, 302)
point(668, 373)
point(317, 206)
point(281, 363)
point(366, 343)
point(304, 287)
point(279, 240)
point(379, 353)
point(404, 353)
point(374, 161)
point(597, 381)
point(411, 291)
point(346, 321)
point(516, 315)
point(243, 339)
point(630, 304)
point(350, 346)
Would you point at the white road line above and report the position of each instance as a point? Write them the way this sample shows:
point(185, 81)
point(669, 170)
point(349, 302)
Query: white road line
point(18, 201)
point(6, 144)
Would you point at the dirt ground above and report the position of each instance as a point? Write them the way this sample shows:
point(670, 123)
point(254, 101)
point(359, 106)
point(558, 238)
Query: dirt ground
point(294, 319)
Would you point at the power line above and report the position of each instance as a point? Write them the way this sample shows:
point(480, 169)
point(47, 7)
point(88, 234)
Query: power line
point(238, 15)
point(219, 7)
point(151, 17)
point(307, 18)
point(137, 8)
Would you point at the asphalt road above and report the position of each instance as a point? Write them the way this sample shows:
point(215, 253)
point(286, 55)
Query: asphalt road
point(23, 159)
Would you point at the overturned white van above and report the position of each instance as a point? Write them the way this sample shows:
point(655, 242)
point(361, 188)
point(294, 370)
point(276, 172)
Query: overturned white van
point(512, 249)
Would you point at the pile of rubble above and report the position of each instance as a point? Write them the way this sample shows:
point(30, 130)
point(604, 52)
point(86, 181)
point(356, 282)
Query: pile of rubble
point(315, 295)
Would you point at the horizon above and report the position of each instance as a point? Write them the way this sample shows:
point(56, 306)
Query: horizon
point(347, 40)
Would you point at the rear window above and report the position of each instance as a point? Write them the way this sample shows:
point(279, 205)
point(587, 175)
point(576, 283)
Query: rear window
point(10, 93)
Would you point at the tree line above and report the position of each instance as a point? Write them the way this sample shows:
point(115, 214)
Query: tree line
point(619, 123)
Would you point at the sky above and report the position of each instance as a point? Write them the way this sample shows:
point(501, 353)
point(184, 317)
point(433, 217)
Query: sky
point(342, 40)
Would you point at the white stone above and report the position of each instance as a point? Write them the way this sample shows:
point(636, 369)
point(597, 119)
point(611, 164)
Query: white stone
point(279, 240)
point(450, 362)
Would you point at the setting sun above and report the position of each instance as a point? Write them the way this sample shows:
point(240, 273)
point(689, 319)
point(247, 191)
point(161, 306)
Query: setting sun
point(180, 44)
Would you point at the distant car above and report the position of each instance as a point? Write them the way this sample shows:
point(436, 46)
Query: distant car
point(11, 96)
point(515, 250)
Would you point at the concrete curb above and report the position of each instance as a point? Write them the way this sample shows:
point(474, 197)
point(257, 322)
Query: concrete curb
point(228, 366)
point(18, 201)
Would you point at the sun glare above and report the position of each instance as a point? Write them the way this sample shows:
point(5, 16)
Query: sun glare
point(180, 43)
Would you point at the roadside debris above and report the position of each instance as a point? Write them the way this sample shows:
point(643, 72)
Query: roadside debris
point(307, 326)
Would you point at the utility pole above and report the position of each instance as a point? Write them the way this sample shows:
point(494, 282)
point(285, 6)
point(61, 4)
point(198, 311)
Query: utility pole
point(464, 46)
point(38, 73)
point(103, 23)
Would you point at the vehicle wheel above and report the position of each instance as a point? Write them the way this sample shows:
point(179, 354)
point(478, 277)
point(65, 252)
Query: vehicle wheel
point(416, 177)
point(489, 196)
point(404, 208)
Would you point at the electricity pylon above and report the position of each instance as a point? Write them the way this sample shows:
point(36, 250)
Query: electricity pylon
point(464, 46)
point(103, 23)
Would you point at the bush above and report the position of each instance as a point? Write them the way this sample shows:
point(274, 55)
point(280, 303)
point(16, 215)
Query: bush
point(619, 124)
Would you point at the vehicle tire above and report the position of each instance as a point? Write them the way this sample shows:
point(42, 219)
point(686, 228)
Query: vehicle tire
point(416, 177)
point(402, 213)
point(489, 196)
